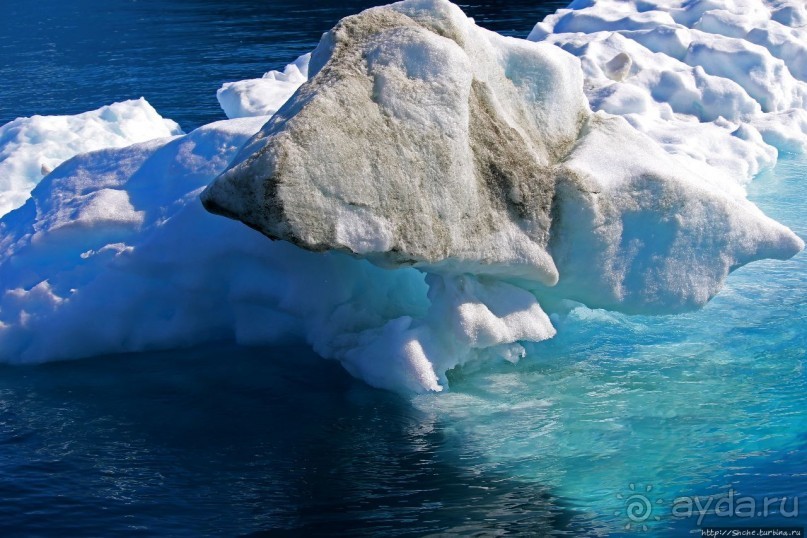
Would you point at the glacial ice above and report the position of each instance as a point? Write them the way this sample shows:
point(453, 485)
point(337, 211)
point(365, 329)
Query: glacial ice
point(735, 67)
point(450, 148)
point(448, 187)
point(415, 160)
point(263, 96)
point(32, 147)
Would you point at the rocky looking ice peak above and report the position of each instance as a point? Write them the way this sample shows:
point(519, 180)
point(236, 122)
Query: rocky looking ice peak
point(423, 140)
point(420, 139)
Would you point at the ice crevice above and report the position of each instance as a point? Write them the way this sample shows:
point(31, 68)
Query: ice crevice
point(433, 190)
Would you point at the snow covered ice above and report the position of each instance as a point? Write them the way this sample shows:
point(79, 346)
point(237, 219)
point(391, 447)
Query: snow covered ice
point(456, 150)
point(263, 96)
point(437, 189)
point(32, 147)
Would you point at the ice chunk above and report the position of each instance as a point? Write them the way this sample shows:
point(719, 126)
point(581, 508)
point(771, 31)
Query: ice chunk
point(455, 158)
point(31, 147)
point(618, 67)
point(73, 264)
point(263, 96)
point(442, 147)
point(642, 234)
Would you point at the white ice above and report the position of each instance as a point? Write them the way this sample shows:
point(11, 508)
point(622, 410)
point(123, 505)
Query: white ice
point(263, 96)
point(722, 82)
point(31, 147)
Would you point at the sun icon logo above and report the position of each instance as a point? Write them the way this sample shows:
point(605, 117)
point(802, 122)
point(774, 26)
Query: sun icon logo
point(638, 507)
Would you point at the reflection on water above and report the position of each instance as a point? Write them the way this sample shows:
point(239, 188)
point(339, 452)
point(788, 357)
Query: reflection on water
point(61, 57)
point(231, 441)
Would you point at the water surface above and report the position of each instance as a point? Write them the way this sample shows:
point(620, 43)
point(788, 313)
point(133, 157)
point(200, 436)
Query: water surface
point(67, 57)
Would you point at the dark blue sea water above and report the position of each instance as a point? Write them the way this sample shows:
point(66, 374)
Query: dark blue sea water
point(615, 413)
point(70, 56)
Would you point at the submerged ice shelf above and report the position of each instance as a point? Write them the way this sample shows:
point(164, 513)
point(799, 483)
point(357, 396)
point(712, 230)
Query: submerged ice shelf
point(452, 186)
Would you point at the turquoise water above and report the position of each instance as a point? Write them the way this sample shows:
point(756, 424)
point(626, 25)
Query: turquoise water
point(233, 441)
point(691, 405)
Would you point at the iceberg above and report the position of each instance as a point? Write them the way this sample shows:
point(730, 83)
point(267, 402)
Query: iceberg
point(423, 140)
point(435, 192)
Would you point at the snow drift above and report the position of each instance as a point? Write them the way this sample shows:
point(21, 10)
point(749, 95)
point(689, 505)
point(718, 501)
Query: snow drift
point(446, 185)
